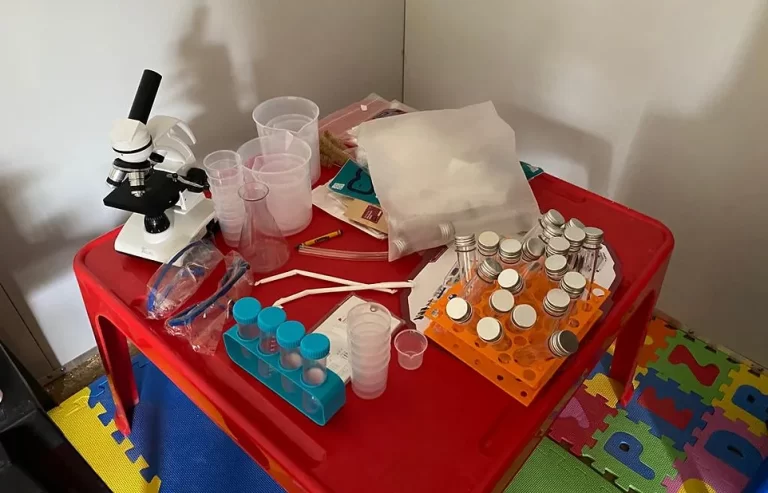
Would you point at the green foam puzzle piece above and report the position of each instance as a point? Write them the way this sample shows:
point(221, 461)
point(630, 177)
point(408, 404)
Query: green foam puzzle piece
point(682, 373)
point(657, 454)
point(550, 468)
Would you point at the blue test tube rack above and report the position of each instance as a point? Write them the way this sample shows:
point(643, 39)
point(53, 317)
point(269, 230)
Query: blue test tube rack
point(329, 396)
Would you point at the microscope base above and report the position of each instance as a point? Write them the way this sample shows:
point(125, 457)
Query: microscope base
point(134, 240)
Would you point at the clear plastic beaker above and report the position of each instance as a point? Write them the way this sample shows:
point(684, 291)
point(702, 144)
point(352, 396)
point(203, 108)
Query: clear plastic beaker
point(296, 115)
point(282, 162)
point(261, 242)
point(410, 346)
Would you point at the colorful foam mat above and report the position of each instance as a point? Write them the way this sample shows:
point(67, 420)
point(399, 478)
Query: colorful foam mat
point(696, 423)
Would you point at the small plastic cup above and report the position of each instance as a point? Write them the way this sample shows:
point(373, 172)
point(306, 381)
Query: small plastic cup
point(410, 346)
point(223, 165)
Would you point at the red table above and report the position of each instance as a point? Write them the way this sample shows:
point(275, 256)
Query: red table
point(441, 428)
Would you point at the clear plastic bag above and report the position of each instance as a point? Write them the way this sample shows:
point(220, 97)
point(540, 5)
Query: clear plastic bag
point(177, 280)
point(447, 172)
point(202, 323)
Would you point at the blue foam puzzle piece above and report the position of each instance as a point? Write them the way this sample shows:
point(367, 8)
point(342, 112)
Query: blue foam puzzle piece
point(602, 366)
point(751, 400)
point(182, 447)
point(667, 389)
point(628, 449)
point(734, 450)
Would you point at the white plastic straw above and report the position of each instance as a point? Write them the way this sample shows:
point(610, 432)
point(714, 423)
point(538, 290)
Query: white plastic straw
point(314, 275)
point(341, 289)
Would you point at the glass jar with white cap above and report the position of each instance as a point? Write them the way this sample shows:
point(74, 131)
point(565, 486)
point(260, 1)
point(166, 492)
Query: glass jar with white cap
point(555, 267)
point(556, 304)
point(559, 344)
point(510, 280)
point(574, 284)
point(556, 246)
point(523, 319)
point(549, 225)
point(461, 314)
point(490, 331)
point(575, 237)
point(532, 251)
point(590, 254)
point(501, 302)
point(466, 256)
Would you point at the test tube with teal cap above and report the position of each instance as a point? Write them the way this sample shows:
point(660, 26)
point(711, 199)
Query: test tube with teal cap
point(289, 336)
point(269, 320)
point(246, 313)
point(314, 350)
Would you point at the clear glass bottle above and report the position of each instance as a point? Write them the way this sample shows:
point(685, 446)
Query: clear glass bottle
point(490, 331)
point(314, 350)
point(559, 344)
point(556, 246)
point(533, 249)
point(549, 225)
point(419, 235)
point(573, 283)
point(269, 320)
point(590, 254)
point(501, 302)
point(510, 251)
point(246, 313)
point(555, 267)
point(461, 314)
point(522, 319)
point(510, 280)
point(555, 305)
point(575, 237)
point(487, 245)
point(485, 276)
point(289, 335)
point(466, 256)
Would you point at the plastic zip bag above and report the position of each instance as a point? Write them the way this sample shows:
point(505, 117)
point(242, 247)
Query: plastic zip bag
point(447, 172)
point(174, 282)
point(202, 323)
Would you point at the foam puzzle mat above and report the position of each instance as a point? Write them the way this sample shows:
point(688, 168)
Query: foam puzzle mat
point(695, 424)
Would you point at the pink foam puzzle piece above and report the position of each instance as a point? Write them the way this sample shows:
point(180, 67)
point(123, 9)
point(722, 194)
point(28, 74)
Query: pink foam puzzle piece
point(582, 416)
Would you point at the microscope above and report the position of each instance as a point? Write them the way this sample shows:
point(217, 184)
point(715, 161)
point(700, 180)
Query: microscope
point(153, 178)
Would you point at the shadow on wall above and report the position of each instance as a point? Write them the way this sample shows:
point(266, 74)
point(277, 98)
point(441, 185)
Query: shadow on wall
point(706, 177)
point(541, 140)
point(282, 62)
point(39, 256)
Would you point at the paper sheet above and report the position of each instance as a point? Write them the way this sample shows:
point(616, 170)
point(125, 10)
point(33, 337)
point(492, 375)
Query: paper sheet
point(323, 198)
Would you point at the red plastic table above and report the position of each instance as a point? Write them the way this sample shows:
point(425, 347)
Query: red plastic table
point(441, 428)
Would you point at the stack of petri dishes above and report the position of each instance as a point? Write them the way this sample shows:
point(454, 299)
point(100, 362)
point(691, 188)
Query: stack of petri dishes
point(369, 337)
point(225, 176)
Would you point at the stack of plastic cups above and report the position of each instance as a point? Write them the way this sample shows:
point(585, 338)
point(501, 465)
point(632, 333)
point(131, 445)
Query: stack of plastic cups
point(369, 338)
point(225, 176)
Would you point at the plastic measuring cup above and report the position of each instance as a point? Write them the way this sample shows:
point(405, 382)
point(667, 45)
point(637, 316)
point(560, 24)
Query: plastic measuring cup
point(281, 161)
point(410, 346)
point(296, 115)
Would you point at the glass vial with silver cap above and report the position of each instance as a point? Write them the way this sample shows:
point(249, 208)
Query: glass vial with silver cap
point(483, 280)
point(573, 283)
point(549, 225)
point(522, 319)
point(533, 249)
point(461, 314)
point(510, 251)
point(501, 302)
point(555, 267)
point(590, 254)
point(487, 244)
point(556, 304)
point(490, 331)
point(556, 246)
point(559, 344)
point(574, 223)
point(575, 237)
point(466, 255)
point(510, 280)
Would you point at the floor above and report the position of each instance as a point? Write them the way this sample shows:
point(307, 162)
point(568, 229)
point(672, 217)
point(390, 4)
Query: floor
point(696, 423)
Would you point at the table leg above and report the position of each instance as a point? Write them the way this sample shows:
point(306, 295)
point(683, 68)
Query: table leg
point(116, 358)
point(628, 343)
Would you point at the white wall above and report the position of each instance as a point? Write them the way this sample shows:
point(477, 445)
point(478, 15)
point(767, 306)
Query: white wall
point(70, 69)
point(660, 105)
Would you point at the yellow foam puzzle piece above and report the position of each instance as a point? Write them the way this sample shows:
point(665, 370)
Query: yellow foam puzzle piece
point(82, 427)
point(695, 486)
point(740, 377)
